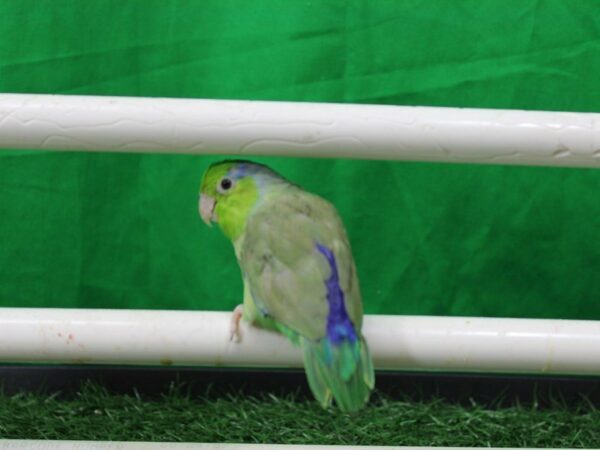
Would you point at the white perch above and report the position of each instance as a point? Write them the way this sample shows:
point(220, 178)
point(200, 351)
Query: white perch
point(202, 338)
point(324, 130)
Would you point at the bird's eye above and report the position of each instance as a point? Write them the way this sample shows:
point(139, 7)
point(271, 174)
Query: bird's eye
point(226, 184)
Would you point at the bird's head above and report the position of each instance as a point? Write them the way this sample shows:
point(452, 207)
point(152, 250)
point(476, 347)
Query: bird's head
point(229, 190)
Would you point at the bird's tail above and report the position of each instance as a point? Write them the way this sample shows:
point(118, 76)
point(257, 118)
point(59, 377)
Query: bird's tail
point(343, 371)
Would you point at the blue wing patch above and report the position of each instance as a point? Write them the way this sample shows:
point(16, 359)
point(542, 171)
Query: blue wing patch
point(339, 325)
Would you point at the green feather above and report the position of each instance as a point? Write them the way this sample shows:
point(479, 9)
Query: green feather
point(233, 210)
point(344, 373)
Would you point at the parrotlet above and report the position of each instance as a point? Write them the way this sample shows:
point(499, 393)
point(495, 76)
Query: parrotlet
point(298, 272)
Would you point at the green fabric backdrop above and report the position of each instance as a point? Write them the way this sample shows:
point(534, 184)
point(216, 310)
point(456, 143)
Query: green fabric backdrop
point(122, 231)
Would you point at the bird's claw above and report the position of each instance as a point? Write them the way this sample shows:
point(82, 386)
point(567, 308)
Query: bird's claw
point(234, 324)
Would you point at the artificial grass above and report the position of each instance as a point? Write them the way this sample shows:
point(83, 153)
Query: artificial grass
point(95, 414)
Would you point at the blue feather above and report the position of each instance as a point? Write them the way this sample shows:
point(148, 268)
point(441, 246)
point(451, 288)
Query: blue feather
point(339, 326)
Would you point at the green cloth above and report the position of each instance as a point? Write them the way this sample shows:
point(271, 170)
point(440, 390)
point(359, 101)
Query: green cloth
point(122, 231)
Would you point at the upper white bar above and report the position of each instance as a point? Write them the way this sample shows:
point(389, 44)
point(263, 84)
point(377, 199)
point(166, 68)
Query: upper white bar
point(202, 338)
point(129, 124)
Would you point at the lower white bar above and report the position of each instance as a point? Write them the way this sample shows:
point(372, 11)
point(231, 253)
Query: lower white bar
point(322, 130)
point(201, 338)
point(100, 445)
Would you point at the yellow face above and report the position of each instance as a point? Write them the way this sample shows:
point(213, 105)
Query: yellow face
point(227, 199)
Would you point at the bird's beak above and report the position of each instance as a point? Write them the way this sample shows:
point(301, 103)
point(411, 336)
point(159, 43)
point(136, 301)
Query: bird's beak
point(207, 209)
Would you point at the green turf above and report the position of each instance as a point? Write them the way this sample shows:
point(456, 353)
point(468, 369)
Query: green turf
point(96, 414)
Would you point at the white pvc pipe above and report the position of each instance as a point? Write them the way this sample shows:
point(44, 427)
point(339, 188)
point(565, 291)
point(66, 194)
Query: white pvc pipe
point(127, 124)
point(201, 338)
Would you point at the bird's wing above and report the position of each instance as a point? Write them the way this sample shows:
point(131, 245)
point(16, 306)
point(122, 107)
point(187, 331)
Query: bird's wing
point(286, 271)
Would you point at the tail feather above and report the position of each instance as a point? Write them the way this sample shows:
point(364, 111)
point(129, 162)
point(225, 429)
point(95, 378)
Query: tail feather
point(317, 375)
point(368, 371)
point(344, 372)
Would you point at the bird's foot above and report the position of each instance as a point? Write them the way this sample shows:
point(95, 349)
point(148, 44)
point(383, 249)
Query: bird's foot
point(234, 325)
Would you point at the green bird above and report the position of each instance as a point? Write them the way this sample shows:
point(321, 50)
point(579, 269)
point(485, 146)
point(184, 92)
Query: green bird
point(298, 271)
